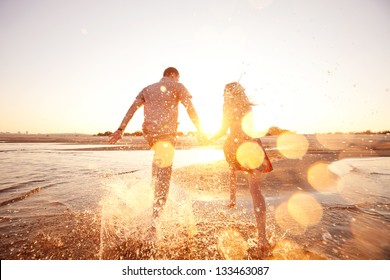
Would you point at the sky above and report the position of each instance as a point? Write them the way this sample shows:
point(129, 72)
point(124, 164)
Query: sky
point(76, 66)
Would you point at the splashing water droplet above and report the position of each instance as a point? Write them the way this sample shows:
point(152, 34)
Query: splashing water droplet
point(232, 245)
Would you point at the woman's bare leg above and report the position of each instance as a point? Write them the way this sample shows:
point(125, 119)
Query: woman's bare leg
point(233, 188)
point(259, 210)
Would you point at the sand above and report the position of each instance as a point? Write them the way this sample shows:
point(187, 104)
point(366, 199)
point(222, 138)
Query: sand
point(217, 232)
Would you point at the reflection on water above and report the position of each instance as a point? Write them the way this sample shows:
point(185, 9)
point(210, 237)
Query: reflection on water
point(62, 204)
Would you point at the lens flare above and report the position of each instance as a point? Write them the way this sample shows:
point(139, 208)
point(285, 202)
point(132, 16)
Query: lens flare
point(305, 209)
point(247, 125)
point(286, 222)
point(232, 245)
point(250, 155)
point(288, 250)
point(321, 178)
point(292, 146)
point(163, 154)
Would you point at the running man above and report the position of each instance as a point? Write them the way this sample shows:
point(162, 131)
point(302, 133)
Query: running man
point(161, 110)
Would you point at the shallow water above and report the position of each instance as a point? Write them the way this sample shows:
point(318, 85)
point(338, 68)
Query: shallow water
point(57, 202)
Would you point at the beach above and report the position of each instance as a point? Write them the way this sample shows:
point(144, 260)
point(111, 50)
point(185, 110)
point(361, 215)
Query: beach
point(75, 197)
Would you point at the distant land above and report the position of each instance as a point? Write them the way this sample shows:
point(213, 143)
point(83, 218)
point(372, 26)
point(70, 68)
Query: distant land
point(272, 131)
point(366, 141)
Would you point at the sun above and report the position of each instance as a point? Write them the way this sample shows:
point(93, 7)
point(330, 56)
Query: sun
point(211, 125)
point(251, 124)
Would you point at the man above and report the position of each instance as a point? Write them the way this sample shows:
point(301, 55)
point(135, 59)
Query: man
point(161, 103)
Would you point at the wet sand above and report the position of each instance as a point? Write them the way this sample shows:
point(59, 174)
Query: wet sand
point(326, 240)
point(331, 238)
point(214, 232)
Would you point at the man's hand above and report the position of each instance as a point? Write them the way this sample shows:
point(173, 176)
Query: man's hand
point(115, 137)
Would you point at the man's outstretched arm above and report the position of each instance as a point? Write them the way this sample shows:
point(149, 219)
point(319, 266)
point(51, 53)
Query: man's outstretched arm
point(117, 135)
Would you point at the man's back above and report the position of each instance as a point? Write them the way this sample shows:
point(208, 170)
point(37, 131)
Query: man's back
point(161, 102)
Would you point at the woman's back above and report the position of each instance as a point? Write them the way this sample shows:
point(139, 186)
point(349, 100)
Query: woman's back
point(237, 112)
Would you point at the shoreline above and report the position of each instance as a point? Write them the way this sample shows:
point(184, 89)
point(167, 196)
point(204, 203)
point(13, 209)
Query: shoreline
point(349, 145)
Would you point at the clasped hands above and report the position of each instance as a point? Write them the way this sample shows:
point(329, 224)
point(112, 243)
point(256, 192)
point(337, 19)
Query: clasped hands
point(201, 137)
point(203, 140)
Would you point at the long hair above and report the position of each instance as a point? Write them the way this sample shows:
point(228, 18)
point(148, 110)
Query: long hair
point(235, 98)
point(237, 110)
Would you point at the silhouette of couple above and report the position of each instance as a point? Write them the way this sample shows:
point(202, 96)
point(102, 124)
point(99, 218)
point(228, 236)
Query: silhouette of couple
point(242, 151)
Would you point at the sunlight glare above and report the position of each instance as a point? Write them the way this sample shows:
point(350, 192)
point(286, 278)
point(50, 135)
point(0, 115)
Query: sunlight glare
point(305, 209)
point(286, 222)
point(211, 126)
point(163, 154)
point(321, 178)
point(247, 125)
point(250, 155)
point(292, 146)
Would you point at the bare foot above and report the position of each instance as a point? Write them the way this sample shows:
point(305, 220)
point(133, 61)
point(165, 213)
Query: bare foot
point(264, 250)
point(231, 204)
point(151, 234)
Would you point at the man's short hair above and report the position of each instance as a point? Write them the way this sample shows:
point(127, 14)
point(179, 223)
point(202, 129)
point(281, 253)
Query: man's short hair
point(169, 71)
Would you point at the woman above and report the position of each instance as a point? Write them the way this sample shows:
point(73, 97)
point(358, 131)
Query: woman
point(244, 153)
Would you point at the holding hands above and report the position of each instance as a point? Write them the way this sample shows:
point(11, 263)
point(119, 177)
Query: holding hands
point(202, 138)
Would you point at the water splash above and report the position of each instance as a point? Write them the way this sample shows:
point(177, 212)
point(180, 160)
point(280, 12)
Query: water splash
point(128, 230)
point(125, 214)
